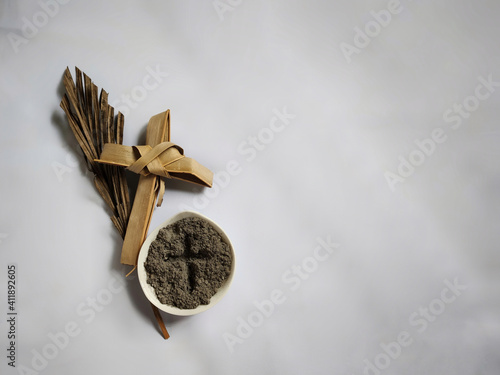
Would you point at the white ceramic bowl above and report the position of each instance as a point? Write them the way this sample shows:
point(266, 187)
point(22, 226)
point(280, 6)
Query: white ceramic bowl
point(149, 290)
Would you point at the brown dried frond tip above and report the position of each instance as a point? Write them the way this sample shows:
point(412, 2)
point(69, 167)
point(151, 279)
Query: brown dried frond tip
point(93, 123)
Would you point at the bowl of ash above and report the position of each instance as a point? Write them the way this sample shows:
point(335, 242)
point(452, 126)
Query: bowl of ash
point(186, 264)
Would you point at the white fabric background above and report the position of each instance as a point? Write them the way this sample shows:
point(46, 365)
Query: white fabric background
point(322, 176)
